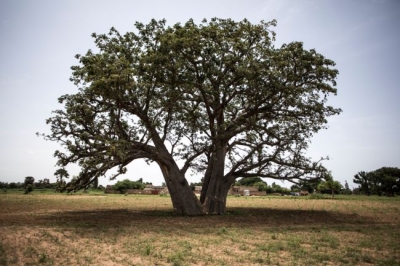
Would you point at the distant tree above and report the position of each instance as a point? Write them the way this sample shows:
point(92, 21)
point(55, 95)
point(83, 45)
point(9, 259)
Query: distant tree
point(193, 185)
point(94, 184)
point(262, 186)
point(124, 185)
point(276, 188)
point(39, 184)
point(61, 174)
point(28, 184)
point(285, 191)
point(346, 189)
point(249, 181)
point(363, 179)
point(3, 185)
point(307, 185)
point(295, 188)
point(330, 185)
point(356, 191)
point(12, 185)
point(385, 180)
point(29, 180)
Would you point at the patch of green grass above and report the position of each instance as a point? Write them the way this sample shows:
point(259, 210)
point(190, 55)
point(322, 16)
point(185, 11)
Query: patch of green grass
point(44, 259)
point(327, 240)
point(388, 261)
point(276, 246)
point(176, 259)
point(222, 231)
point(147, 248)
point(30, 252)
point(261, 258)
point(3, 255)
point(293, 242)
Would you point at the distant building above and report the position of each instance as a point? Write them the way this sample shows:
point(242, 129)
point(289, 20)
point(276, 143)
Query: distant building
point(148, 190)
point(246, 191)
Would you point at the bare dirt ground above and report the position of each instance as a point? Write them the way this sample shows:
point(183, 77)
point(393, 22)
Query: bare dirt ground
point(143, 230)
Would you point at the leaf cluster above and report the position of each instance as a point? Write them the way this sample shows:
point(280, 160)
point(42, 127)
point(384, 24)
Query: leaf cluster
point(385, 180)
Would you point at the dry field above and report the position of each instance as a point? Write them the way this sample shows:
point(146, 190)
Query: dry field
point(81, 229)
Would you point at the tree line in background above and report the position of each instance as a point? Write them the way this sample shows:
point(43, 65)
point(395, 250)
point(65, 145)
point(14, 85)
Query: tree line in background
point(29, 185)
point(383, 181)
point(325, 186)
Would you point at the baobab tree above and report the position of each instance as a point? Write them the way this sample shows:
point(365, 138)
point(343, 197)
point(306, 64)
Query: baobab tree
point(217, 98)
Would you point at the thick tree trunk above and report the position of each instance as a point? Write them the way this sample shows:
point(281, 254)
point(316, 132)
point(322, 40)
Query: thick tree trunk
point(215, 202)
point(216, 186)
point(206, 180)
point(184, 201)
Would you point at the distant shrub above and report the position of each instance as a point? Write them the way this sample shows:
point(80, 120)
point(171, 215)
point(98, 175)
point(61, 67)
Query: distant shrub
point(317, 196)
point(124, 185)
point(28, 189)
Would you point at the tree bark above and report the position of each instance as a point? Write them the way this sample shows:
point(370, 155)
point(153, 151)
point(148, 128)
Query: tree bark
point(215, 202)
point(207, 178)
point(216, 185)
point(184, 201)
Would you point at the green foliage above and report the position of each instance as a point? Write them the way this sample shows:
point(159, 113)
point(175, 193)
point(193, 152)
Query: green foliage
point(329, 185)
point(94, 184)
point(28, 184)
point(363, 179)
point(346, 190)
point(61, 174)
point(253, 182)
point(3, 255)
point(28, 189)
point(262, 186)
point(195, 184)
point(124, 185)
point(218, 97)
point(317, 196)
point(44, 259)
point(14, 185)
point(385, 180)
point(249, 181)
point(275, 188)
point(29, 180)
point(309, 185)
point(3, 185)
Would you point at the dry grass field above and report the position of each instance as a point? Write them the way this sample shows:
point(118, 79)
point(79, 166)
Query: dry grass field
point(84, 229)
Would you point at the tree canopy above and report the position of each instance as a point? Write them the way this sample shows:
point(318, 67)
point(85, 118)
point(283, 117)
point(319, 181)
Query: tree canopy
point(385, 180)
point(124, 185)
point(217, 98)
point(28, 184)
point(29, 180)
point(329, 184)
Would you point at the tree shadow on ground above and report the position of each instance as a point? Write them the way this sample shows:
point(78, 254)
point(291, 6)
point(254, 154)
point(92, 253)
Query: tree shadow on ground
point(234, 217)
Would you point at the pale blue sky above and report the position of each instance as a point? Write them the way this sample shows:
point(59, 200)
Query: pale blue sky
point(38, 41)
